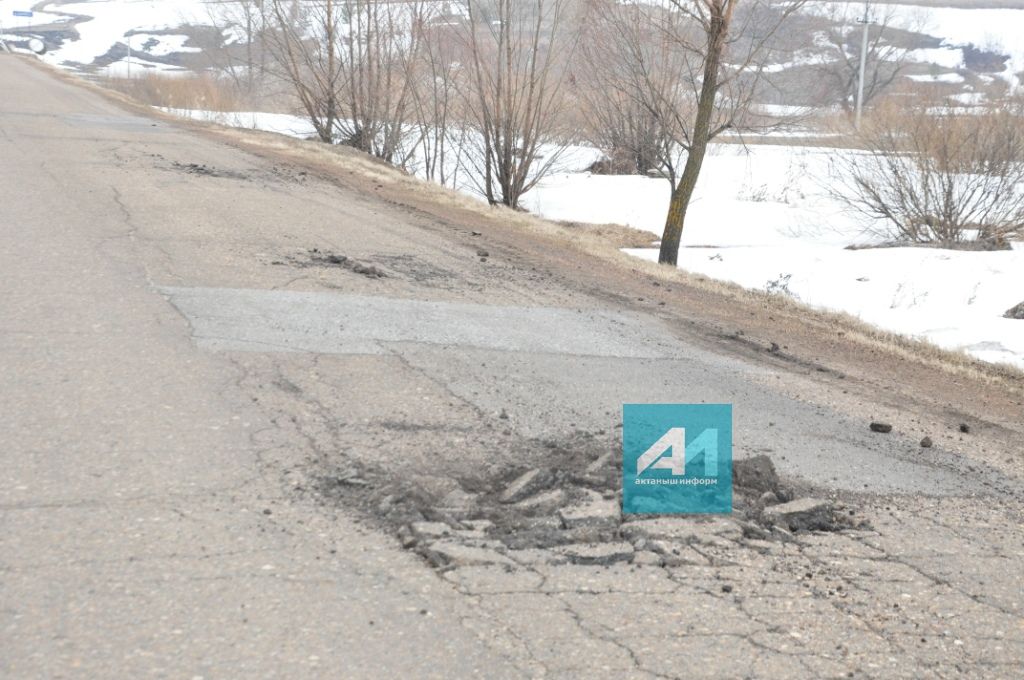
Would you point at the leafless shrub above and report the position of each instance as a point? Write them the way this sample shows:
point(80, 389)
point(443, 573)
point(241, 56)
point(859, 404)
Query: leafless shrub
point(630, 81)
point(348, 62)
point(684, 72)
point(242, 57)
point(517, 53)
point(437, 114)
point(939, 174)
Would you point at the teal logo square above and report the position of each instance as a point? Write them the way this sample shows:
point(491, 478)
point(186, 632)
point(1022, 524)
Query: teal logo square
point(676, 458)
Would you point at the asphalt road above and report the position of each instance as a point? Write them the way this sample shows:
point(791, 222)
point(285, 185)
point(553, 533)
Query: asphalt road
point(213, 437)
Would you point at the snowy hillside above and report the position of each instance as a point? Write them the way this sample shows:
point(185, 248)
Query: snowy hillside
point(95, 35)
point(995, 29)
point(81, 35)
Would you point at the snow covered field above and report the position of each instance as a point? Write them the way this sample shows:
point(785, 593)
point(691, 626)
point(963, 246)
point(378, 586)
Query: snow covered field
point(996, 29)
point(108, 24)
point(111, 20)
point(763, 220)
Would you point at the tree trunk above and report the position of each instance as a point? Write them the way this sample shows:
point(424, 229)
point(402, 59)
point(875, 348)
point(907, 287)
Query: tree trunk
point(717, 31)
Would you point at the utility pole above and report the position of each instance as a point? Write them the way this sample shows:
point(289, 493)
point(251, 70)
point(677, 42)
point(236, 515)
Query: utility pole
point(863, 65)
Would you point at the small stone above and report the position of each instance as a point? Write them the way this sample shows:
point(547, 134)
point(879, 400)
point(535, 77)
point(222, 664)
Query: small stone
point(782, 532)
point(429, 530)
point(884, 428)
point(1015, 312)
point(965, 428)
point(472, 537)
point(768, 498)
point(756, 473)
point(726, 588)
point(803, 514)
point(405, 538)
point(482, 253)
point(647, 558)
point(926, 443)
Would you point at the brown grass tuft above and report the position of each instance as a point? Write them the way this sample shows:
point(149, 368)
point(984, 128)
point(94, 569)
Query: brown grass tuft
point(199, 91)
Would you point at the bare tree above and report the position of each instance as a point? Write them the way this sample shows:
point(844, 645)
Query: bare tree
point(932, 173)
point(349, 64)
point(631, 82)
point(242, 56)
point(517, 52)
point(305, 41)
point(694, 67)
point(381, 49)
point(841, 43)
point(435, 74)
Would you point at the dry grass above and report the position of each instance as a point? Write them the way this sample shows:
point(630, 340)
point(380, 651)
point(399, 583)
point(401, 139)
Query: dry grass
point(198, 91)
point(601, 241)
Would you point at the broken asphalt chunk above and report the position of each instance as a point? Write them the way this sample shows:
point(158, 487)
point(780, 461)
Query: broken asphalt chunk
point(805, 514)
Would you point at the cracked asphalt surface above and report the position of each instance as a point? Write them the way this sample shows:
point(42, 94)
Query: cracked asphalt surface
point(218, 463)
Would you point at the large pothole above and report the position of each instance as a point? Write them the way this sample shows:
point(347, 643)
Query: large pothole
point(570, 510)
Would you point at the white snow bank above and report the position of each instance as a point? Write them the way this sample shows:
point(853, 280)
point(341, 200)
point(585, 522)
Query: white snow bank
point(940, 78)
point(161, 45)
point(281, 123)
point(763, 220)
point(113, 20)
